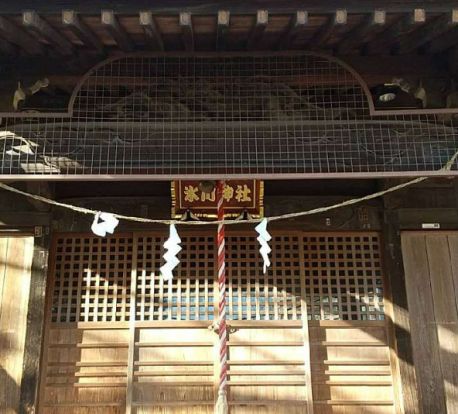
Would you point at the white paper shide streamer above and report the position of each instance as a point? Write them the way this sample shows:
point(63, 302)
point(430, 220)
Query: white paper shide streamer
point(172, 245)
point(104, 223)
point(263, 239)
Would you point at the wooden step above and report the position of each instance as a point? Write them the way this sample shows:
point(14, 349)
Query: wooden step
point(172, 344)
point(355, 362)
point(171, 363)
point(84, 404)
point(231, 403)
point(353, 402)
point(272, 372)
point(340, 324)
point(87, 374)
point(266, 343)
point(276, 383)
point(101, 374)
point(343, 382)
point(177, 383)
point(188, 403)
point(86, 384)
point(91, 345)
point(172, 373)
point(101, 364)
point(269, 402)
point(103, 345)
point(266, 362)
point(347, 343)
point(365, 372)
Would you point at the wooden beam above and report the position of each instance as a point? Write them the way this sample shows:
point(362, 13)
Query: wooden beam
point(205, 7)
point(398, 315)
point(262, 18)
point(355, 37)
point(71, 20)
point(296, 24)
point(385, 41)
point(110, 22)
point(151, 31)
point(323, 33)
point(35, 318)
point(7, 48)
point(222, 29)
point(187, 31)
point(441, 33)
point(13, 34)
point(443, 42)
point(33, 21)
point(418, 16)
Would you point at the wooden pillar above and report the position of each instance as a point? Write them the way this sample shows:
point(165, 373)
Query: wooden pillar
point(16, 252)
point(35, 324)
point(401, 344)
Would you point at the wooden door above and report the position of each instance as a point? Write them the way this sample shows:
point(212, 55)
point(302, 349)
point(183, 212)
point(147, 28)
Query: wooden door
point(303, 338)
point(431, 269)
point(269, 366)
point(118, 338)
point(15, 271)
point(311, 335)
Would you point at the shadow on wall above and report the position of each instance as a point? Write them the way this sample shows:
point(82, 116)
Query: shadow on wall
point(9, 389)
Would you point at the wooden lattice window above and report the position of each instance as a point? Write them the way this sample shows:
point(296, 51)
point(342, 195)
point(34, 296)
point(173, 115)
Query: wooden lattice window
point(340, 276)
point(253, 295)
point(190, 295)
point(92, 278)
point(343, 276)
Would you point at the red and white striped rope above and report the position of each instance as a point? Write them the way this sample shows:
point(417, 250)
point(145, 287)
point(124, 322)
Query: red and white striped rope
point(222, 291)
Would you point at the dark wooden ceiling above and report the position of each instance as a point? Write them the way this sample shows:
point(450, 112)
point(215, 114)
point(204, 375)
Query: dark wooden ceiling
point(94, 29)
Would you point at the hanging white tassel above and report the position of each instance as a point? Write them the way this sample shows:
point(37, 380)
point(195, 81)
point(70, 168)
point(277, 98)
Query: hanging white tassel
point(172, 245)
point(263, 239)
point(221, 406)
point(104, 223)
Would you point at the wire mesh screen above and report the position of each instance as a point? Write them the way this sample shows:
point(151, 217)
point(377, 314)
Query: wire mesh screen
point(261, 116)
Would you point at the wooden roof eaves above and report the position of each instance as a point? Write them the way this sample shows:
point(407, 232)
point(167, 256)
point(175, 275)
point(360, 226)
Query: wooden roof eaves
point(233, 6)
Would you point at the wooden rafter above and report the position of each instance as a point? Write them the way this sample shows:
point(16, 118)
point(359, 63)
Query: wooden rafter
point(34, 22)
point(187, 31)
point(391, 36)
point(262, 18)
point(13, 34)
point(151, 31)
point(443, 42)
point(110, 22)
point(71, 20)
point(7, 47)
point(355, 37)
point(223, 23)
point(324, 32)
point(423, 35)
point(298, 21)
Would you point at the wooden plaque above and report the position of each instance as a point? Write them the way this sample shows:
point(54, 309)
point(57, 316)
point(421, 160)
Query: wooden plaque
point(238, 195)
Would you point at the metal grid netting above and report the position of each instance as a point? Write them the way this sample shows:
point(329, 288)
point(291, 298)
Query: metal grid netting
point(245, 115)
